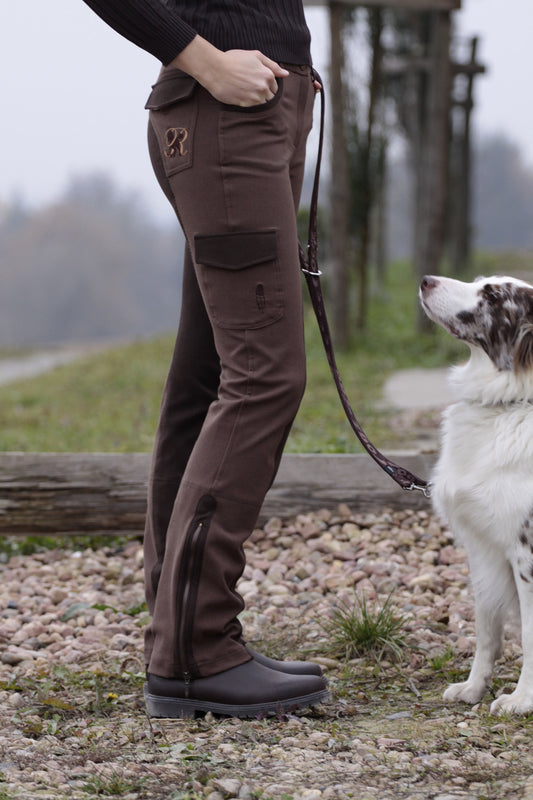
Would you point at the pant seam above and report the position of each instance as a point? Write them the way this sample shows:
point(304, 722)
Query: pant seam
point(237, 418)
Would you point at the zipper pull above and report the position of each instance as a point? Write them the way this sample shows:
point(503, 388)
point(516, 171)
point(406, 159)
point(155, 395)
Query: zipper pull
point(187, 679)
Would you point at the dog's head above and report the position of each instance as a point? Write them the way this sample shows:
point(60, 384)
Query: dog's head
point(494, 314)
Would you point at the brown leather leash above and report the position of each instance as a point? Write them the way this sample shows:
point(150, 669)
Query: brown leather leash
point(309, 266)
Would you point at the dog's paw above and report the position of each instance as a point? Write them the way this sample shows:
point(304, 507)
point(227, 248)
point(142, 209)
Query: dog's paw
point(518, 702)
point(468, 692)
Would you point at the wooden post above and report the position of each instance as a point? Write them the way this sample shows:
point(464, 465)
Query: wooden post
point(369, 180)
point(461, 211)
point(339, 183)
point(435, 155)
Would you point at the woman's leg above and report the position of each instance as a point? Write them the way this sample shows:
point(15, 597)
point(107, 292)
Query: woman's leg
point(190, 388)
point(236, 204)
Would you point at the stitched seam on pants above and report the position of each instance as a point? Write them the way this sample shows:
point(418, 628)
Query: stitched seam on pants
point(222, 167)
point(302, 101)
point(244, 399)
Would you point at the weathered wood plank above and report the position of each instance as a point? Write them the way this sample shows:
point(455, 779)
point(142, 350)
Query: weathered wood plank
point(99, 493)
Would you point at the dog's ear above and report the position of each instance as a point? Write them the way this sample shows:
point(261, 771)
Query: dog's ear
point(523, 355)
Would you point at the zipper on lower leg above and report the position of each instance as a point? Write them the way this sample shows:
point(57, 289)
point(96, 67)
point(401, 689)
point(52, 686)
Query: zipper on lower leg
point(189, 575)
point(184, 619)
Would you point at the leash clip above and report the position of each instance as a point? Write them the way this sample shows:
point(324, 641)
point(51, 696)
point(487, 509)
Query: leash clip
point(416, 487)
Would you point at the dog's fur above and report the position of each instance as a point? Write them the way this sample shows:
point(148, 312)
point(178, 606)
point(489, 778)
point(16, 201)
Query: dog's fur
point(483, 481)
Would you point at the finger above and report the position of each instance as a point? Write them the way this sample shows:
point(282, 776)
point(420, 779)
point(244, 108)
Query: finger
point(272, 88)
point(278, 71)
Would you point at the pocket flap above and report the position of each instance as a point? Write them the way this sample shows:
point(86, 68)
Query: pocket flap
point(236, 250)
point(170, 90)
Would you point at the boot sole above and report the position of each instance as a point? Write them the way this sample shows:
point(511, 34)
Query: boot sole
point(186, 708)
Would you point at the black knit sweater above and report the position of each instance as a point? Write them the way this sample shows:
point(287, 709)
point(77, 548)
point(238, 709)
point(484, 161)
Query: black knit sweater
point(165, 27)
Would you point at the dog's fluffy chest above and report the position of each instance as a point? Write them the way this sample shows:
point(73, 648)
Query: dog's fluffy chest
point(483, 479)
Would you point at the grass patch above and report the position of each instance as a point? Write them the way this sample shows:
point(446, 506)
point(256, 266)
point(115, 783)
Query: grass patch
point(361, 629)
point(115, 784)
point(11, 546)
point(63, 694)
point(441, 661)
point(109, 402)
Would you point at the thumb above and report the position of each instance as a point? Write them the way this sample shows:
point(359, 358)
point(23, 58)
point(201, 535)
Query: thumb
point(278, 71)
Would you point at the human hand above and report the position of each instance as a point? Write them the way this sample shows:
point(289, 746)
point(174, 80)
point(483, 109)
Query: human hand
point(236, 77)
point(245, 78)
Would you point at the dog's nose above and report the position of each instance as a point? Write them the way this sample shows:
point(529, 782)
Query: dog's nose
point(429, 282)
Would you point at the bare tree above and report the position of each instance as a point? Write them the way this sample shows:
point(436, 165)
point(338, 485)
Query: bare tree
point(339, 186)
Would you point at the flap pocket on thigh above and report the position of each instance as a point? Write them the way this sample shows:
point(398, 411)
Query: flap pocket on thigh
point(169, 90)
point(236, 250)
point(240, 278)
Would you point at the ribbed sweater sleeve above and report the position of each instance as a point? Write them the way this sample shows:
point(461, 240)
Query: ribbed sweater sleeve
point(150, 24)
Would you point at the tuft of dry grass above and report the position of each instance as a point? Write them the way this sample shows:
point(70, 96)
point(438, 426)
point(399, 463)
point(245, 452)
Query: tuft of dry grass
point(361, 629)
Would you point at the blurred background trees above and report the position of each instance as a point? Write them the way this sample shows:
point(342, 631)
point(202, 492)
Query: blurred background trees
point(93, 265)
point(410, 88)
point(405, 179)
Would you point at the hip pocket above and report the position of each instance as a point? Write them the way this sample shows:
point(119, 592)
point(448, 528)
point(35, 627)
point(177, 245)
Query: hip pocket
point(173, 110)
point(240, 278)
point(260, 108)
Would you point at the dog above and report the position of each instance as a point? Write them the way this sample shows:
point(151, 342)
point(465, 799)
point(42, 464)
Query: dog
point(482, 485)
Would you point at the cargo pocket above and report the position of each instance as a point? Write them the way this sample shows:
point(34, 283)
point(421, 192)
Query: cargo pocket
point(173, 110)
point(241, 278)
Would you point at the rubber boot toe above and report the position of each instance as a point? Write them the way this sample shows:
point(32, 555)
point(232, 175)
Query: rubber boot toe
point(248, 690)
point(290, 667)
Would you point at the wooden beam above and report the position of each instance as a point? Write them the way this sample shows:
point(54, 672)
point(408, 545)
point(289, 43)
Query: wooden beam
point(45, 494)
point(409, 5)
point(398, 66)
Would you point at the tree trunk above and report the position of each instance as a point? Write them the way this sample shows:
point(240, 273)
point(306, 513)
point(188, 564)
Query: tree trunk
point(368, 180)
point(433, 195)
point(340, 188)
point(462, 226)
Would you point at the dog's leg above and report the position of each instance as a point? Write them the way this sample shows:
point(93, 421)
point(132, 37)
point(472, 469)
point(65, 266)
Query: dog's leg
point(493, 583)
point(521, 700)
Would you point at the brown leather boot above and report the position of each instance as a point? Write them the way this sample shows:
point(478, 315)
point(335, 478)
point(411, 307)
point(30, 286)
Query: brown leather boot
point(249, 690)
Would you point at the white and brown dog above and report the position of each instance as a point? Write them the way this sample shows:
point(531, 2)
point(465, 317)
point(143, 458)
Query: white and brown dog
point(483, 481)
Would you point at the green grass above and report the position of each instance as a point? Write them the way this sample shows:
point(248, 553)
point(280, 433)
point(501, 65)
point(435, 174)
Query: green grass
point(109, 402)
point(359, 629)
point(440, 661)
point(113, 785)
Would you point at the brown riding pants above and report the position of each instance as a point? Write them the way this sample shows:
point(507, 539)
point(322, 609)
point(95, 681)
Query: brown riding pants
point(233, 176)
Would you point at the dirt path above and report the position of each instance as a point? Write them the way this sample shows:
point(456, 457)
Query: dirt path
point(14, 368)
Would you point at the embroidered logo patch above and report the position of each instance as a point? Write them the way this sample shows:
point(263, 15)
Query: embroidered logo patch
point(175, 139)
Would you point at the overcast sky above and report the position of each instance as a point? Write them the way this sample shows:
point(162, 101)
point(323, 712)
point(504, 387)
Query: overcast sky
point(73, 93)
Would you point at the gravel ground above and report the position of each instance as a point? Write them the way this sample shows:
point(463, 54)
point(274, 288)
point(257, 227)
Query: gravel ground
point(71, 674)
